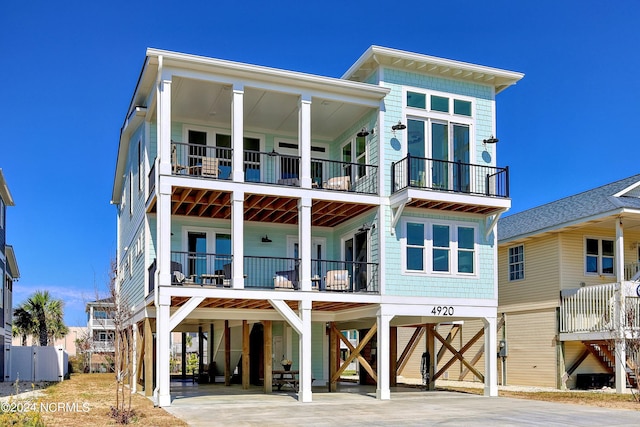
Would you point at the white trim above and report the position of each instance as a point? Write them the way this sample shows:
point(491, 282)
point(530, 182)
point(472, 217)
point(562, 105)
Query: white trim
point(600, 255)
point(509, 263)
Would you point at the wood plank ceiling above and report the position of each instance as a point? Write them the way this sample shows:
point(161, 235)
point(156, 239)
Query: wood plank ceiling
point(259, 207)
point(251, 304)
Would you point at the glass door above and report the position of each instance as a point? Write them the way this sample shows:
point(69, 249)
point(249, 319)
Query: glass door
point(461, 171)
point(440, 155)
point(197, 147)
point(416, 148)
point(197, 254)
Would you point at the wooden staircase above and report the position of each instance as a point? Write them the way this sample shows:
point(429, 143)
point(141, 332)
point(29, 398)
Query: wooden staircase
point(605, 355)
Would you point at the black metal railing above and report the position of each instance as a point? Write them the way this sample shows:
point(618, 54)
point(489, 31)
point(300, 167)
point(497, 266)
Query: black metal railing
point(271, 272)
point(344, 276)
point(456, 177)
point(344, 176)
point(271, 168)
point(201, 268)
point(152, 179)
point(201, 160)
point(152, 276)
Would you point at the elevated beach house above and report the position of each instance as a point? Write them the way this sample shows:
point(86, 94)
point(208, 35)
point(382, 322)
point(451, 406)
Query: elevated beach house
point(568, 295)
point(269, 210)
point(8, 274)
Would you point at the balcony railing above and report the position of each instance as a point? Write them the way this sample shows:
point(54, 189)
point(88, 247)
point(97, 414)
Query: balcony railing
point(343, 176)
point(201, 160)
point(152, 179)
point(272, 168)
point(103, 346)
point(456, 177)
point(263, 272)
point(593, 308)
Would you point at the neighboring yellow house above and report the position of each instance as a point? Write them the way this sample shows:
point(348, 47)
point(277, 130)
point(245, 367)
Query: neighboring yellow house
point(563, 269)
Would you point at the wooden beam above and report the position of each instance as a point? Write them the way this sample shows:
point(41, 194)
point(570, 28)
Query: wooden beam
point(364, 362)
point(409, 348)
point(148, 357)
point(459, 354)
point(268, 353)
point(393, 356)
point(356, 353)
point(333, 356)
point(452, 334)
point(140, 350)
point(227, 353)
point(245, 355)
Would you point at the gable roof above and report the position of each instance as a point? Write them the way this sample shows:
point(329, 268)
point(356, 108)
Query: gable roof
point(5, 194)
point(602, 201)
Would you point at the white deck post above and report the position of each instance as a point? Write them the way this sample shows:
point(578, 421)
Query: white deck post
point(162, 351)
point(237, 132)
point(304, 136)
point(237, 239)
point(490, 356)
point(620, 308)
point(304, 393)
point(383, 392)
point(304, 245)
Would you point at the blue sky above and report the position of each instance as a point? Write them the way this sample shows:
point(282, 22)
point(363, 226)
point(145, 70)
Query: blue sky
point(68, 70)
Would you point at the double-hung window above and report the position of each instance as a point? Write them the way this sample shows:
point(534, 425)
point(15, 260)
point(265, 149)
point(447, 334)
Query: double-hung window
point(439, 129)
point(439, 248)
point(516, 263)
point(599, 256)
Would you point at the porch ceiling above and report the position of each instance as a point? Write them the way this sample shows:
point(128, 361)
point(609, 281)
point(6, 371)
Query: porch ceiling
point(252, 304)
point(209, 102)
point(451, 206)
point(259, 207)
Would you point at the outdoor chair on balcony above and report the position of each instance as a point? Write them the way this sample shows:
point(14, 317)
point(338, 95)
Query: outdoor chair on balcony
point(286, 279)
point(337, 280)
point(338, 183)
point(181, 279)
point(210, 167)
point(175, 167)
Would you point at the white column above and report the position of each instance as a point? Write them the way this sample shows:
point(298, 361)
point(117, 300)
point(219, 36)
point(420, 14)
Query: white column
point(163, 351)
point(383, 392)
point(304, 136)
point(620, 308)
point(163, 229)
point(304, 242)
point(237, 132)
point(304, 394)
point(490, 357)
point(237, 239)
point(164, 126)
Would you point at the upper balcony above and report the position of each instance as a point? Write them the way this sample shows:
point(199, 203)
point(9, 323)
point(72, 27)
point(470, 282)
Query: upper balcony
point(446, 185)
point(274, 168)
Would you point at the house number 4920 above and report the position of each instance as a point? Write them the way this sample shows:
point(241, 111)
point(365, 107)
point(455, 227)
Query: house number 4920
point(442, 310)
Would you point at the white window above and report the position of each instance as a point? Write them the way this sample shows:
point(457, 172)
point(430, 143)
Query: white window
point(599, 256)
point(354, 155)
point(439, 248)
point(516, 263)
point(439, 129)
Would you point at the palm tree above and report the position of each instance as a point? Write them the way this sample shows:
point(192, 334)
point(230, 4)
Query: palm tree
point(47, 315)
point(23, 324)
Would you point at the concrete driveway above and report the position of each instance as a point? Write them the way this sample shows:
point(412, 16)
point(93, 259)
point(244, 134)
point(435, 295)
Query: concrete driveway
point(216, 405)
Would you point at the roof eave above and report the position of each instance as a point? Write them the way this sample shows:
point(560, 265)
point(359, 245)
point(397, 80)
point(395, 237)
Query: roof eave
point(12, 262)
point(4, 191)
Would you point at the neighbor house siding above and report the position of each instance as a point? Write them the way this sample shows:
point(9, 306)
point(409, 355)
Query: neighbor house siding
point(531, 340)
point(573, 350)
point(541, 271)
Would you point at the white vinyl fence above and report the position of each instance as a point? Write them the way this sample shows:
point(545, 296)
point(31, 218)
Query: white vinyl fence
point(35, 363)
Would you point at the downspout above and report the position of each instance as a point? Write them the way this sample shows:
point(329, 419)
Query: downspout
point(156, 302)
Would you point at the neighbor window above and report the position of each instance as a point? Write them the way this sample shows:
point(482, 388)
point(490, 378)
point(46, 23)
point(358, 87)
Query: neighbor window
point(516, 263)
point(599, 256)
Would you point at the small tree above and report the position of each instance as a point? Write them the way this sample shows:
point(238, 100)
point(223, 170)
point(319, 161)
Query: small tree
point(83, 349)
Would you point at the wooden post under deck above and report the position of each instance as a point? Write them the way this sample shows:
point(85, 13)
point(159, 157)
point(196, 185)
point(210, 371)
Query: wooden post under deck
point(245, 355)
point(431, 348)
point(148, 357)
point(227, 354)
point(268, 355)
point(333, 356)
point(393, 356)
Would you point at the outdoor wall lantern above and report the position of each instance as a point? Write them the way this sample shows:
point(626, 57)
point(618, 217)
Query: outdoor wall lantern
point(364, 132)
point(266, 239)
point(490, 140)
point(399, 126)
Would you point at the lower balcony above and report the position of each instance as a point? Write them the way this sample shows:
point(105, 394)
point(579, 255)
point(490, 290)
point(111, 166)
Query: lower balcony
point(278, 273)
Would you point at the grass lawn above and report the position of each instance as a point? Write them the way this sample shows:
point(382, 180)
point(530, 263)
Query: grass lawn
point(97, 393)
point(595, 398)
